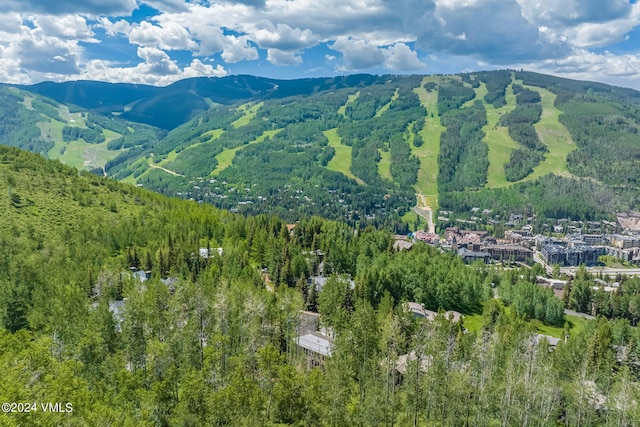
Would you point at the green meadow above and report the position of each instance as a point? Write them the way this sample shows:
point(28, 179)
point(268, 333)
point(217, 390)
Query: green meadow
point(428, 153)
point(226, 157)
point(249, 113)
point(341, 161)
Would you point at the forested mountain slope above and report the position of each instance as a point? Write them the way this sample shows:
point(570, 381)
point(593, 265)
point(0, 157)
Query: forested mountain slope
point(356, 148)
point(205, 341)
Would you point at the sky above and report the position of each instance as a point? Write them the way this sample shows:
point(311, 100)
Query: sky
point(158, 42)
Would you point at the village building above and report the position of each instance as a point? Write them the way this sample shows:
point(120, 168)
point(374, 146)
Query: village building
point(508, 252)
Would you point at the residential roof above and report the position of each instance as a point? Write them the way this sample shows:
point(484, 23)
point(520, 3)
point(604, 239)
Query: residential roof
point(551, 340)
point(307, 321)
point(320, 281)
point(418, 310)
point(316, 342)
point(453, 316)
point(402, 244)
point(142, 275)
point(404, 359)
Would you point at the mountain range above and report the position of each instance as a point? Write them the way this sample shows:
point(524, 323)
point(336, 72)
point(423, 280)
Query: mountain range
point(379, 149)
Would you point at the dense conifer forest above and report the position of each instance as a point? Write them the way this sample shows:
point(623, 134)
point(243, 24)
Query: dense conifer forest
point(209, 337)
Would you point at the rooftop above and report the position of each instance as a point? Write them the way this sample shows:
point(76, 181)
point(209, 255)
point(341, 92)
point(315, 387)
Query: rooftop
point(316, 342)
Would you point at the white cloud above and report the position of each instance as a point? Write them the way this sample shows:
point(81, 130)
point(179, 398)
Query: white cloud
point(400, 57)
point(62, 7)
point(568, 12)
point(166, 5)
point(47, 55)
point(11, 23)
point(283, 57)
point(284, 37)
point(238, 49)
point(168, 36)
point(586, 65)
point(358, 54)
point(156, 69)
point(72, 27)
point(368, 34)
point(114, 28)
point(198, 69)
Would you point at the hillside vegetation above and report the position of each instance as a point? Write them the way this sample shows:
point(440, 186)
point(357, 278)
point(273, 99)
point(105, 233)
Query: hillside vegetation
point(205, 341)
point(357, 148)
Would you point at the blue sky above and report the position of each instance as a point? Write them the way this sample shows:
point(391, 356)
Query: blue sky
point(160, 41)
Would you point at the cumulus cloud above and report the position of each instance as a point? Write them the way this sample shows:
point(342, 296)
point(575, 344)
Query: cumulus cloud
point(73, 27)
point(254, 3)
point(396, 35)
point(358, 54)
point(283, 57)
point(238, 49)
point(465, 30)
point(156, 69)
point(11, 23)
point(169, 36)
point(400, 57)
point(284, 37)
point(87, 7)
point(569, 12)
point(167, 5)
point(586, 65)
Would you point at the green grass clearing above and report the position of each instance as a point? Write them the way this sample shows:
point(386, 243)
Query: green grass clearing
point(226, 157)
point(550, 131)
point(249, 113)
point(172, 155)
point(82, 155)
point(351, 98)
point(497, 138)
point(413, 220)
point(554, 135)
point(386, 106)
point(384, 166)
point(575, 324)
point(341, 161)
point(428, 153)
point(473, 322)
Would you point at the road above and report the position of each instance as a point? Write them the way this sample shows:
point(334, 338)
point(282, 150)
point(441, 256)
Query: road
point(154, 166)
point(425, 212)
point(576, 314)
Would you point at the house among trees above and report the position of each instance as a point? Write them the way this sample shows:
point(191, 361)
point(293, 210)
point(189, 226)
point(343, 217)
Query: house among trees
point(316, 347)
point(207, 252)
point(403, 361)
point(308, 321)
point(418, 310)
point(401, 244)
point(552, 341)
point(319, 281)
point(141, 275)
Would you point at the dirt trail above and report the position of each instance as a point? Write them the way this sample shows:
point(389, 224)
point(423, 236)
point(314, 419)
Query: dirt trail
point(154, 166)
point(425, 211)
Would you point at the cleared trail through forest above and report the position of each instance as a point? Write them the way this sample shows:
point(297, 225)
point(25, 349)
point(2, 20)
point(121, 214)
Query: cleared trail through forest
point(425, 211)
point(154, 166)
